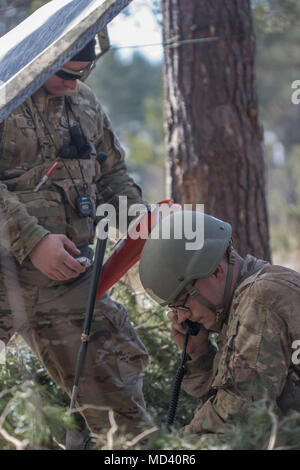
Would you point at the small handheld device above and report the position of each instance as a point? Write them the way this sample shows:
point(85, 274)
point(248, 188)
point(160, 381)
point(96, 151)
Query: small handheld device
point(191, 327)
point(84, 261)
point(84, 206)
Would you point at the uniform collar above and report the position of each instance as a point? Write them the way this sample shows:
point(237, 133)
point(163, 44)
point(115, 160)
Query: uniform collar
point(42, 99)
point(251, 266)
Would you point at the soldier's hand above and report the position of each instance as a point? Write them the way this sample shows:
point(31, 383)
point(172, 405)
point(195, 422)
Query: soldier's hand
point(197, 345)
point(51, 257)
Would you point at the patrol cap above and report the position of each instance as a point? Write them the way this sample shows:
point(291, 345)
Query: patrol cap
point(87, 54)
point(167, 266)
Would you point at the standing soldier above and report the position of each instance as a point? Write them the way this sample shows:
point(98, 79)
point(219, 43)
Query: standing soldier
point(252, 305)
point(43, 288)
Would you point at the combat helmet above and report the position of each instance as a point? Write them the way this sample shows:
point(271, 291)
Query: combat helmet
point(169, 264)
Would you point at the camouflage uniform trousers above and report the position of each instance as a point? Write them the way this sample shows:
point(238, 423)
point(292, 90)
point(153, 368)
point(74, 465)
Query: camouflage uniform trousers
point(51, 321)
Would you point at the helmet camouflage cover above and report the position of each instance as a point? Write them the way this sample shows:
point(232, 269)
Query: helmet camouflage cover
point(168, 263)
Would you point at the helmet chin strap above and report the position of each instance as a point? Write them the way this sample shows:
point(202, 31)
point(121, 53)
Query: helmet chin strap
point(219, 310)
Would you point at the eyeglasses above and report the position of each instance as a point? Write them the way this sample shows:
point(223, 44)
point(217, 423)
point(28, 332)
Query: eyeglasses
point(68, 74)
point(181, 306)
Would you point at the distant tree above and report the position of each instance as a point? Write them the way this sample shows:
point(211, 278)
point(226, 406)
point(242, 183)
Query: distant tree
point(278, 37)
point(124, 86)
point(214, 138)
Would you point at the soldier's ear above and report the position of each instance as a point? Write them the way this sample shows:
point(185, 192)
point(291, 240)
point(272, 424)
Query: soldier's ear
point(219, 273)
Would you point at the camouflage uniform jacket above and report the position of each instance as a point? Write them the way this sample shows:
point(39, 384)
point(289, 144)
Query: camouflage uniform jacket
point(255, 349)
point(26, 154)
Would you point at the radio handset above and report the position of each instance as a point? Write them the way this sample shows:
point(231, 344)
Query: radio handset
point(191, 327)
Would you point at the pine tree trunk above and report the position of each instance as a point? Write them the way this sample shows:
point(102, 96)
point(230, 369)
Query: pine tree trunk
point(214, 138)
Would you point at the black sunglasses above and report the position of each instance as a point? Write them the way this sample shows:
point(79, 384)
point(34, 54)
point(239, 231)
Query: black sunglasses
point(67, 74)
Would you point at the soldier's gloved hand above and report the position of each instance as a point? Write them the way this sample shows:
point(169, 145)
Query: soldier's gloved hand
point(197, 345)
point(51, 257)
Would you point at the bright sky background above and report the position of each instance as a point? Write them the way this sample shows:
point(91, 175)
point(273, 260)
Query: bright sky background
point(141, 27)
point(137, 26)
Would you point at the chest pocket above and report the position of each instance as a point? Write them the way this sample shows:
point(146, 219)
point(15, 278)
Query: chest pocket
point(240, 353)
point(79, 230)
point(223, 370)
point(20, 143)
point(46, 206)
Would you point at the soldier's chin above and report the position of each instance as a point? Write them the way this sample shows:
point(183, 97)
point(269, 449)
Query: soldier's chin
point(70, 92)
point(63, 92)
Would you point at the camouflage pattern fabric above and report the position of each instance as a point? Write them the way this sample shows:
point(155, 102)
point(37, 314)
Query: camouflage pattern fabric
point(254, 355)
point(27, 153)
point(49, 314)
point(51, 320)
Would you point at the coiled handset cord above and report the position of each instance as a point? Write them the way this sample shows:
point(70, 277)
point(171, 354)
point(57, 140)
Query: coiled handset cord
point(191, 328)
point(177, 384)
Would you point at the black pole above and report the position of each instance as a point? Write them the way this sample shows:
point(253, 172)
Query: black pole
point(96, 273)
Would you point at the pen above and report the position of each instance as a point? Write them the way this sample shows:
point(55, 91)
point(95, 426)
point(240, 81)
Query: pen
point(46, 177)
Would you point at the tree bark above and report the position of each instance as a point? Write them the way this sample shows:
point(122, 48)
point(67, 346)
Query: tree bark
point(214, 138)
